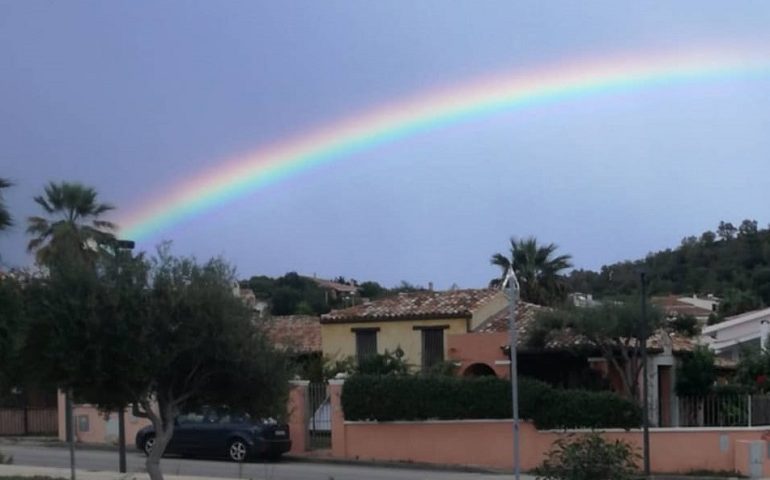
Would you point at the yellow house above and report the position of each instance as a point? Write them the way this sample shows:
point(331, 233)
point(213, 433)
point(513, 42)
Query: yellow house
point(417, 322)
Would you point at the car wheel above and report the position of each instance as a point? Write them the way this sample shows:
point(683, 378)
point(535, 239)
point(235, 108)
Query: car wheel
point(238, 450)
point(149, 443)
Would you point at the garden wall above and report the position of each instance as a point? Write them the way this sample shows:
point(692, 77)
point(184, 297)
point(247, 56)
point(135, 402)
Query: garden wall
point(489, 443)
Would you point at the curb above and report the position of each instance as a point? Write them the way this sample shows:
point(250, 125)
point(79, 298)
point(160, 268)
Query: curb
point(400, 465)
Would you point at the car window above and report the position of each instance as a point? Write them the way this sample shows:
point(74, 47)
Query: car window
point(190, 419)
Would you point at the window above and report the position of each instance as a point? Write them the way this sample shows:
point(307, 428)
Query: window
point(366, 342)
point(432, 347)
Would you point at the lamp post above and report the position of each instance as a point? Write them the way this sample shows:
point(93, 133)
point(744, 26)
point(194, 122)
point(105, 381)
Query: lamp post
point(646, 379)
point(512, 292)
point(122, 245)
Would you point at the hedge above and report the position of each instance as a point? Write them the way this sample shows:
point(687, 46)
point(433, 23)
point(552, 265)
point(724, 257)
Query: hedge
point(390, 398)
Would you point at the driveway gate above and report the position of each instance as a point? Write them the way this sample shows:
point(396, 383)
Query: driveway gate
point(320, 418)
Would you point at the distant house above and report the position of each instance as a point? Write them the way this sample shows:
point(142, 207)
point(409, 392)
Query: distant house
point(748, 330)
point(675, 306)
point(336, 291)
point(417, 323)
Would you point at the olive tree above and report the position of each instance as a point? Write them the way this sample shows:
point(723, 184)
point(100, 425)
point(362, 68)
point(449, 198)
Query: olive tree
point(166, 335)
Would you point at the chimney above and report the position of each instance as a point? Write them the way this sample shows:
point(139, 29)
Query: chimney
point(430, 286)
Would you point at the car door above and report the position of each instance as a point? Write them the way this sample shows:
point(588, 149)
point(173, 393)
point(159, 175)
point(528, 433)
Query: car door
point(187, 430)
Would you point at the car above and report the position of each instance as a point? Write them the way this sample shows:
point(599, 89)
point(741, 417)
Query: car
point(216, 434)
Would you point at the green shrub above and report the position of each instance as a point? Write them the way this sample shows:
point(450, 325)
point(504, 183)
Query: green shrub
point(391, 398)
point(588, 457)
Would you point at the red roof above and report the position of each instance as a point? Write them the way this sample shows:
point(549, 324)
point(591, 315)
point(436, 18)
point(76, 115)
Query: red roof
point(415, 305)
point(301, 333)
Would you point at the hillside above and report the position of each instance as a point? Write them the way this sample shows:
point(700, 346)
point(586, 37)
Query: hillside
point(732, 263)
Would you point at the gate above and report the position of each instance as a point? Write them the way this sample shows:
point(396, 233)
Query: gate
point(320, 418)
point(29, 421)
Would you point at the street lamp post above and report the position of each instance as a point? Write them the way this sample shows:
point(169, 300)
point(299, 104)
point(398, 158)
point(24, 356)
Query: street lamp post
point(122, 245)
point(512, 293)
point(646, 378)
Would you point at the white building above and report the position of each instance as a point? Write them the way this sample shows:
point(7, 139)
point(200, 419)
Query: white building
point(728, 338)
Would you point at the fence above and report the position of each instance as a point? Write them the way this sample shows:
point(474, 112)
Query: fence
point(29, 421)
point(724, 411)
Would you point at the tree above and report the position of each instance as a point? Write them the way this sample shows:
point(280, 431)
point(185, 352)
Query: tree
point(5, 215)
point(11, 328)
point(74, 226)
point(696, 374)
point(537, 268)
point(613, 328)
point(726, 230)
point(166, 335)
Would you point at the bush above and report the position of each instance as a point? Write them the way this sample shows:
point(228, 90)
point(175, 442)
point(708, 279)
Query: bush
point(588, 457)
point(5, 459)
point(390, 398)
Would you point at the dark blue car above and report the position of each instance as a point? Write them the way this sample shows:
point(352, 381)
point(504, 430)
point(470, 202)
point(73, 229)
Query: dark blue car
point(212, 434)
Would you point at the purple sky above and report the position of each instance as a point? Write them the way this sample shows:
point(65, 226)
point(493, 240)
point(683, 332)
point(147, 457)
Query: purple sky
point(133, 97)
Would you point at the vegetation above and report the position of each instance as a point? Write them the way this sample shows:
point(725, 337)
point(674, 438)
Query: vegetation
point(612, 328)
point(5, 215)
point(381, 398)
point(538, 270)
point(696, 374)
point(164, 334)
point(589, 457)
point(74, 226)
point(293, 294)
point(11, 335)
point(732, 263)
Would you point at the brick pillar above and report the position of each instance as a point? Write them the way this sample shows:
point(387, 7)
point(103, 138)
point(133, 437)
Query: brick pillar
point(339, 448)
point(298, 416)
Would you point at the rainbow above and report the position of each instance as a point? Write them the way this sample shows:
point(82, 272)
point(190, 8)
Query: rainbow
point(512, 91)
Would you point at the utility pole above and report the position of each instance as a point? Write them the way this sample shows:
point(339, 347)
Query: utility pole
point(122, 245)
point(70, 430)
point(646, 380)
point(513, 297)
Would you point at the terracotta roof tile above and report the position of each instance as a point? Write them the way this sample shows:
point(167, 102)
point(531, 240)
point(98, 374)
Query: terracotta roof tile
point(301, 333)
point(449, 304)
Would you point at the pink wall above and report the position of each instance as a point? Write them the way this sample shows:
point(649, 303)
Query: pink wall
point(470, 348)
point(102, 427)
point(489, 443)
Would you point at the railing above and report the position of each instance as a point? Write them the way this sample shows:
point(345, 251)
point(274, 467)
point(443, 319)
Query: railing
point(724, 411)
point(29, 421)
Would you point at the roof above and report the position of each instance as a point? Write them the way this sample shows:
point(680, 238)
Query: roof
point(415, 305)
point(527, 318)
point(330, 285)
point(526, 314)
point(301, 333)
point(672, 306)
point(738, 320)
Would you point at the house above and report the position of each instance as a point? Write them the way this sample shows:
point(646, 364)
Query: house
point(336, 291)
point(675, 306)
point(417, 323)
point(565, 359)
point(748, 330)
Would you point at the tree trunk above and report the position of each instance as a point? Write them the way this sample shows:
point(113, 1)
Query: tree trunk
point(163, 423)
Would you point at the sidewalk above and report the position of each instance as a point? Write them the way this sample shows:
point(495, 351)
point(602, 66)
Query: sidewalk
point(63, 473)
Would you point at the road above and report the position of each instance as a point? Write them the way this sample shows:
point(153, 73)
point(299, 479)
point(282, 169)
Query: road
point(105, 460)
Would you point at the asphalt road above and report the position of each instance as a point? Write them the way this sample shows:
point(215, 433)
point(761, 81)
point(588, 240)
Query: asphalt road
point(45, 456)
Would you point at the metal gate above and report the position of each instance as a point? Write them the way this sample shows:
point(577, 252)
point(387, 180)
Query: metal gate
point(320, 418)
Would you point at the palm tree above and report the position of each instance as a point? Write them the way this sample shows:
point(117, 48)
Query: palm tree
point(5, 215)
point(537, 268)
point(73, 226)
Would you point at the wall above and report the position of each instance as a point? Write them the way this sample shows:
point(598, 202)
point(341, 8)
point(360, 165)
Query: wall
point(339, 341)
point(489, 443)
point(470, 348)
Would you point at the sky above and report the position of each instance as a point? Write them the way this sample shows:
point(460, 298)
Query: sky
point(135, 98)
